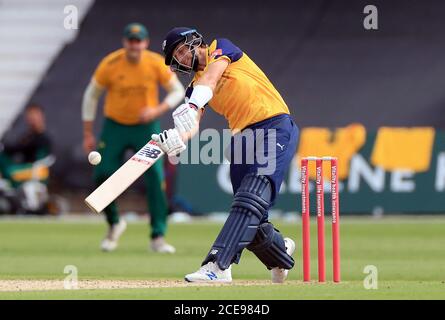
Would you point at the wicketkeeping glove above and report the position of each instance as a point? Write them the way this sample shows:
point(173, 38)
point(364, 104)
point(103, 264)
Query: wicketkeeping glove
point(170, 142)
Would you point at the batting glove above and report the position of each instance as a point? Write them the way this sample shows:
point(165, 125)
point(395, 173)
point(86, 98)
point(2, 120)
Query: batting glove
point(170, 142)
point(185, 117)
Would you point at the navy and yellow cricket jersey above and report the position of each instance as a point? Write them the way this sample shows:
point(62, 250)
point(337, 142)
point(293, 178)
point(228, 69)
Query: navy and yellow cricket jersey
point(244, 95)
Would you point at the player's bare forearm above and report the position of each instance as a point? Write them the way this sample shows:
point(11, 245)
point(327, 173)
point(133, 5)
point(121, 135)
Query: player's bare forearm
point(149, 114)
point(213, 74)
point(87, 127)
point(187, 118)
point(89, 141)
point(163, 107)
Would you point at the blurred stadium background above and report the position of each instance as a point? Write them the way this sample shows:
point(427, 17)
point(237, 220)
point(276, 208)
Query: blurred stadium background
point(374, 98)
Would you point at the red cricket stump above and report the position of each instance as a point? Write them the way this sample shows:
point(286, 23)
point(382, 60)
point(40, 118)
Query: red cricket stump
point(335, 221)
point(305, 217)
point(320, 220)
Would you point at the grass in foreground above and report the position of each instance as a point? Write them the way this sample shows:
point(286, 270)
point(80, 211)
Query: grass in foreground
point(408, 253)
point(290, 291)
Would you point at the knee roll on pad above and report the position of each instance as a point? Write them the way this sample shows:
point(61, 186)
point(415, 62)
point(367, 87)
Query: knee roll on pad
point(268, 245)
point(254, 195)
point(250, 204)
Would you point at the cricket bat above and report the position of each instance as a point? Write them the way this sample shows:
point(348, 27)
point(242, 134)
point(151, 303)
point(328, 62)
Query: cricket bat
point(120, 180)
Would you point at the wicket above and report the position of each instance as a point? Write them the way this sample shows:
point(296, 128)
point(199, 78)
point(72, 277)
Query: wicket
point(305, 217)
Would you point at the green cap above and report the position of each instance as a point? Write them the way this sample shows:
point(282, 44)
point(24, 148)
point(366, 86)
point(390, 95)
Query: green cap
point(135, 31)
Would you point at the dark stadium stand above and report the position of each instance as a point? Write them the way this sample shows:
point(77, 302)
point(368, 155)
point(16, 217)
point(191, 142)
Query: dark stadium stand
point(330, 70)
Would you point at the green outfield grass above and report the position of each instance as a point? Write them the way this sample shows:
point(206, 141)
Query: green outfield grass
point(408, 252)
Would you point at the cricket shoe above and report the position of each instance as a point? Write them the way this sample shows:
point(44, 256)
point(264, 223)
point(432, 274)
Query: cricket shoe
point(210, 272)
point(158, 244)
point(111, 240)
point(279, 274)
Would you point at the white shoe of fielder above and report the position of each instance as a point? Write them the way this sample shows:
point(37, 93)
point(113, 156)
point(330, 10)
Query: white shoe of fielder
point(111, 240)
point(159, 245)
point(278, 274)
point(210, 272)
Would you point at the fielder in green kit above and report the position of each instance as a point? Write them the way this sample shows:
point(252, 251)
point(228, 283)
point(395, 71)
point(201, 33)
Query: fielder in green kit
point(131, 78)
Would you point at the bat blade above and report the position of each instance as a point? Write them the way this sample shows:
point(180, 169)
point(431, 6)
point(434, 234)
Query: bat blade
point(120, 180)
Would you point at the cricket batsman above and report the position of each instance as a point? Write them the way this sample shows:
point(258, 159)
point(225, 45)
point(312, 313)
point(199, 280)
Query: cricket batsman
point(233, 85)
point(131, 77)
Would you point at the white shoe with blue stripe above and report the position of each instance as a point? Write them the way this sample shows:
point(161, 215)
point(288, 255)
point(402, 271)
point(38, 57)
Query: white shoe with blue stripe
point(210, 272)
